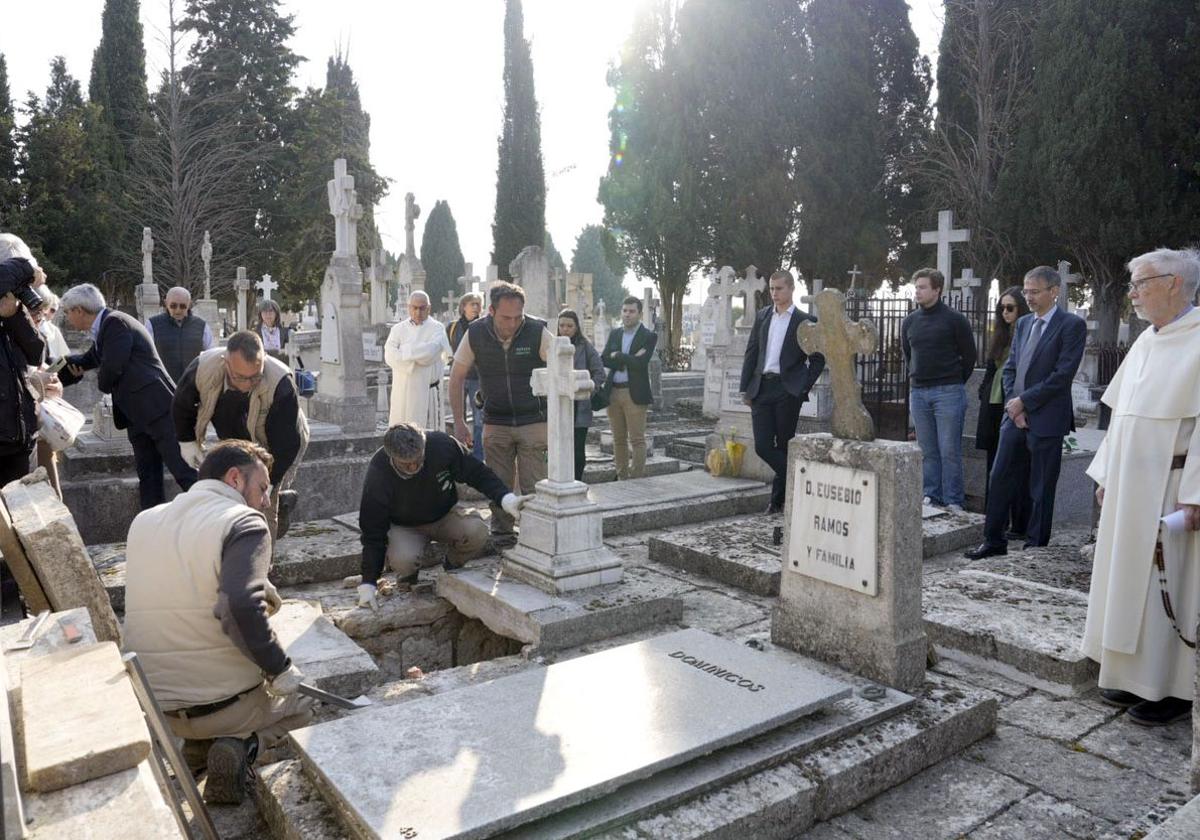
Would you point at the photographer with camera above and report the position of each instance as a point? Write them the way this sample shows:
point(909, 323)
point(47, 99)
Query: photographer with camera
point(21, 346)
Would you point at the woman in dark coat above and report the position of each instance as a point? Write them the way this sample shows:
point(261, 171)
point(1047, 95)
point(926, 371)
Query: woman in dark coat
point(1012, 306)
point(586, 358)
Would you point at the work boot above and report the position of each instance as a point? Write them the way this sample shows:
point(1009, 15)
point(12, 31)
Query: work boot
point(228, 760)
point(195, 753)
point(287, 503)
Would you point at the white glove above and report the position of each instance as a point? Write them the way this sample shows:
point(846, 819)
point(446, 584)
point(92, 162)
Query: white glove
point(512, 504)
point(191, 453)
point(286, 683)
point(366, 596)
point(274, 602)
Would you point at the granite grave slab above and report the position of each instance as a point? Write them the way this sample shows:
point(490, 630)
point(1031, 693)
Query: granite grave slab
point(576, 730)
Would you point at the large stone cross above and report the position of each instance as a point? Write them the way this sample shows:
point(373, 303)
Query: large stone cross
point(241, 286)
point(854, 275)
point(147, 256)
point(968, 282)
point(266, 285)
point(206, 258)
point(468, 279)
point(648, 303)
point(411, 213)
point(1066, 279)
point(839, 340)
point(345, 209)
point(724, 289)
point(747, 286)
point(561, 385)
point(942, 237)
point(449, 302)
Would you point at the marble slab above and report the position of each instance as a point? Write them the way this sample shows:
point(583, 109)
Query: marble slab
point(489, 757)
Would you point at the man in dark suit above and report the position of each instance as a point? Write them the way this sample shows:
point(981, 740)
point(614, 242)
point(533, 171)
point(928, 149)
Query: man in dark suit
point(627, 353)
point(776, 378)
point(1046, 351)
point(128, 367)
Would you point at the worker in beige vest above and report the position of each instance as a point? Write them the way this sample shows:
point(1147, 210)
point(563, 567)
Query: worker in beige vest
point(246, 395)
point(197, 600)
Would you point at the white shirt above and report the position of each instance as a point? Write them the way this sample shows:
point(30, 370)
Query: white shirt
point(776, 335)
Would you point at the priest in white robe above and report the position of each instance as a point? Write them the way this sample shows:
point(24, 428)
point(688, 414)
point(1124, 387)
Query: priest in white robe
point(416, 350)
point(1147, 467)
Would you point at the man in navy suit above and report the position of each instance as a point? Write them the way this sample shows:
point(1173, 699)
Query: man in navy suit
point(1046, 352)
point(128, 367)
point(776, 378)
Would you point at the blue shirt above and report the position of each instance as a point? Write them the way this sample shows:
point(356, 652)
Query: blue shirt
point(626, 346)
point(1185, 311)
point(95, 330)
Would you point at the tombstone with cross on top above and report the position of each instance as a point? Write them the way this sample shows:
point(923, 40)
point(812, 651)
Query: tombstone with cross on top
point(649, 301)
point(747, 286)
point(854, 275)
point(561, 384)
point(266, 285)
point(943, 237)
point(1066, 280)
point(968, 282)
point(839, 340)
point(724, 289)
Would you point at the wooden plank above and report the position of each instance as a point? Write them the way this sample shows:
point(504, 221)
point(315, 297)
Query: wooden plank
point(18, 564)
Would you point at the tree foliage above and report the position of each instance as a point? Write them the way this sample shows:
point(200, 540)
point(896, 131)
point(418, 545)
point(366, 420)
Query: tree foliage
point(441, 254)
point(118, 80)
point(596, 253)
point(10, 187)
point(520, 217)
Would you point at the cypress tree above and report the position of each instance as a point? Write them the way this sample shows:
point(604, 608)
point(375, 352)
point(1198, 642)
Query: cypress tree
point(520, 218)
point(118, 80)
point(10, 189)
point(441, 254)
point(596, 254)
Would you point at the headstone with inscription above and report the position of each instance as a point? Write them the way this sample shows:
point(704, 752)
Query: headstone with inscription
point(851, 587)
point(531, 271)
point(500, 754)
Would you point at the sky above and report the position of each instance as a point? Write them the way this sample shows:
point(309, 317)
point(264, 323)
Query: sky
point(429, 74)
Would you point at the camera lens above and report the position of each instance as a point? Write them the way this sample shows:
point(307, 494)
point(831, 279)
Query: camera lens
point(29, 297)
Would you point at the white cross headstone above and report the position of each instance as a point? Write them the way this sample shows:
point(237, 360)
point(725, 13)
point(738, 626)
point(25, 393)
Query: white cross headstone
point(468, 280)
point(450, 301)
point(854, 275)
point(561, 385)
point(818, 286)
point(968, 282)
point(345, 209)
point(1066, 280)
point(241, 289)
point(601, 326)
point(266, 285)
point(943, 237)
point(747, 286)
point(724, 289)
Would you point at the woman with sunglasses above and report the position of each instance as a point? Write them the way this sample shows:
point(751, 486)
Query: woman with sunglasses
point(1012, 306)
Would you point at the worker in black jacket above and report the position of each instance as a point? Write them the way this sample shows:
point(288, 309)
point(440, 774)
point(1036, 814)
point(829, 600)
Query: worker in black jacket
point(410, 497)
point(20, 347)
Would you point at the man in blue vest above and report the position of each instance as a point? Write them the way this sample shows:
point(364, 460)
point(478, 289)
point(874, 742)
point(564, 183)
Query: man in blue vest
point(505, 347)
point(179, 336)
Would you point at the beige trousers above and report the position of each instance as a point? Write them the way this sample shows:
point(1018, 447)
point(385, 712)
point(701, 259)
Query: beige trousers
point(517, 454)
point(256, 712)
point(627, 420)
point(462, 531)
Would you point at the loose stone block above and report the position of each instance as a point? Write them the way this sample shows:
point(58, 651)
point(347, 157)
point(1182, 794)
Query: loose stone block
point(120, 806)
point(326, 655)
point(738, 553)
point(57, 553)
point(574, 731)
point(80, 716)
point(18, 564)
point(851, 593)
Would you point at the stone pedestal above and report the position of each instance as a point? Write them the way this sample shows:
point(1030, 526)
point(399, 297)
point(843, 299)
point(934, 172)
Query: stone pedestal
point(870, 623)
point(207, 310)
point(243, 291)
point(147, 301)
point(342, 387)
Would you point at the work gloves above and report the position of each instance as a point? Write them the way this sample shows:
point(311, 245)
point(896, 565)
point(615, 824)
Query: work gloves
point(281, 685)
point(512, 504)
point(367, 596)
point(191, 453)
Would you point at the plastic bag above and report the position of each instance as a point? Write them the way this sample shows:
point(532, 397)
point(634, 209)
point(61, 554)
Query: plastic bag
point(58, 423)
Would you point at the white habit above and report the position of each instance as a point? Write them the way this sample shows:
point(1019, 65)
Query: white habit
point(417, 356)
point(1155, 402)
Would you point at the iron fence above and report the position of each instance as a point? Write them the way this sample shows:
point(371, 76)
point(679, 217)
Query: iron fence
point(1108, 358)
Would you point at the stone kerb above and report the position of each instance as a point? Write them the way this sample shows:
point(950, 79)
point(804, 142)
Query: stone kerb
point(879, 636)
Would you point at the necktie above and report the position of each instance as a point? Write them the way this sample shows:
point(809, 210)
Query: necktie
point(1027, 354)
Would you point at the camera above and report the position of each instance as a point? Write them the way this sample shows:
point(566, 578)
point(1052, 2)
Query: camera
point(28, 296)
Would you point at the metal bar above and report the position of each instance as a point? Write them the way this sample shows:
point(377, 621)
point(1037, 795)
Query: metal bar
point(166, 741)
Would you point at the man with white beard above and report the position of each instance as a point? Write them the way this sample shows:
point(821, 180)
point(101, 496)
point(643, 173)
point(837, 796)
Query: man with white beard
point(416, 350)
point(1145, 592)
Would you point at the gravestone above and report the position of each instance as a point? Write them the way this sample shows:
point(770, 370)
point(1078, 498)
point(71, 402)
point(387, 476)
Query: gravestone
point(146, 297)
point(1067, 279)
point(854, 273)
point(968, 282)
point(266, 285)
point(206, 307)
point(342, 387)
point(561, 545)
point(706, 334)
point(379, 289)
point(490, 757)
point(602, 327)
point(722, 290)
point(242, 293)
point(649, 307)
point(531, 271)
point(852, 548)
point(103, 425)
point(579, 298)
point(943, 237)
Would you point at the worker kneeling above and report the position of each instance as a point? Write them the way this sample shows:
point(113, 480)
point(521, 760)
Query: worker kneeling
point(197, 600)
point(410, 497)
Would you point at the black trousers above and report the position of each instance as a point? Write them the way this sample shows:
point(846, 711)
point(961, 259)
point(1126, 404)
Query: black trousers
point(154, 446)
point(774, 414)
point(14, 465)
point(580, 451)
point(1021, 453)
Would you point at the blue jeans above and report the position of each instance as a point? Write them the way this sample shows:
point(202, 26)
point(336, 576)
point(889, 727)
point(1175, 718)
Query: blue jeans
point(938, 412)
point(470, 387)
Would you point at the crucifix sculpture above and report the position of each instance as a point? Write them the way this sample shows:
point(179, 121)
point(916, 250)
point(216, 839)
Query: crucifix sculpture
point(839, 340)
point(561, 385)
point(345, 209)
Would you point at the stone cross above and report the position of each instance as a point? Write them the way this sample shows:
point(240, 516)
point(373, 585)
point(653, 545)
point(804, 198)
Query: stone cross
point(240, 287)
point(450, 301)
point(600, 327)
point(942, 237)
point(724, 289)
point(968, 282)
point(561, 385)
point(839, 340)
point(468, 280)
point(854, 275)
point(147, 256)
point(747, 286)
point(648, 304)
point(411, 213)
point(266, 285)
point(345, 209)
point(1066, 279)
point(206, 258)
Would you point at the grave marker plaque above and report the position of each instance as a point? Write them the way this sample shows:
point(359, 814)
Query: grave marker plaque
point(834, 515)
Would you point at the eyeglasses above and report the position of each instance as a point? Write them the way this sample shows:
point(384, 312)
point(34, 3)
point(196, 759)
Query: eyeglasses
point(1140, 284)
point(1008, 307)
point(1033, 291)
point(253, 379)
point(177, 306)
